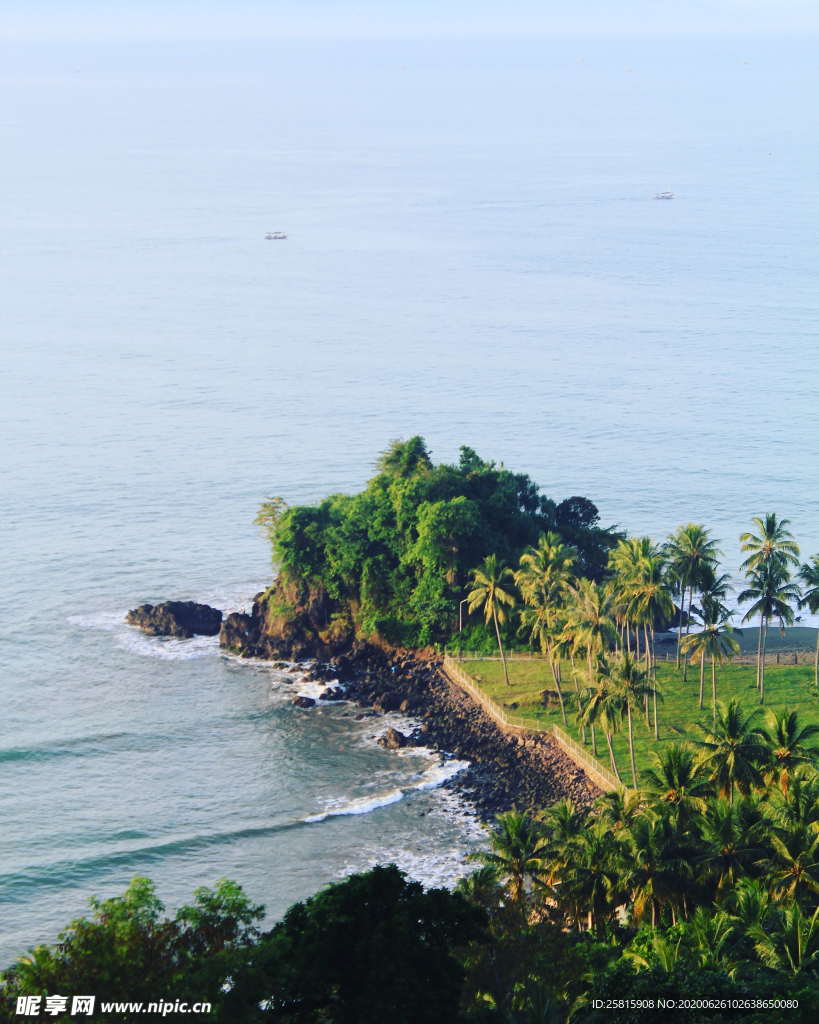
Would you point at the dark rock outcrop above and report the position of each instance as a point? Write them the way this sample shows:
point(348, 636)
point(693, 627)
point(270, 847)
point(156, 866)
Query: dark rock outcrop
point(292, 622)
point(176, 618)
point(333, 693)
point(303, 702)
point(393, 740)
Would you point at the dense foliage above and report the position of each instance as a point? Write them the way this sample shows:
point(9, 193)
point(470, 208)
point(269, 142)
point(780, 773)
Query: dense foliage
point(128, 951)
point(399, 553)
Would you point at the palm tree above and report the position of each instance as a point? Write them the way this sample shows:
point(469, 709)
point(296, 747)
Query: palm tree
point(789, 748)
point(588, 882)
point(588, 627)
point(733, 750)
point(517, 847)
point(809, 574)
point(539, 622)
point(544, 574)
point(773, 541)
point(659, 866)
point(793, 868)
point(603, 702)
point(486, 591)
point(791, 944)
point(588, 623)
point(716, 641)
point(771, 551)
point(749, 903)
point(712, 935)
point(772, 594)
point(649, 600)
point(678, 781)
point(799, 805)
point(624, 564)
point(691, 552)
point(733, 841)
point(619, 808)
point(632, 684)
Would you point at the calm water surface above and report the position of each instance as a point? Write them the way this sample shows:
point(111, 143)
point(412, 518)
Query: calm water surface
point(474, 254)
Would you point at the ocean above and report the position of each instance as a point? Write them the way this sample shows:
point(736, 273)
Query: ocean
point(474, 254)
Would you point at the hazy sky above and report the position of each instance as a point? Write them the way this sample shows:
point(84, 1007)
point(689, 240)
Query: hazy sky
point(219, 19)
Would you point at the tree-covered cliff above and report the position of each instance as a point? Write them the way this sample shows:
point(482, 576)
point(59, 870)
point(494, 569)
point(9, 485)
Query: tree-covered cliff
point(396, 557)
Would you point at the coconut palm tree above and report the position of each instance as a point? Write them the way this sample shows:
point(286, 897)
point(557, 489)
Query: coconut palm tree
point(516, 849)
point(793, 867)
point(624, 565)
point(691, 552)
point(544, 573)
point(749, 903)
point(809, 574)
point(588, 882)
point(773, 541)
point(542, 628)
point(658, 873)
point(733, 838)
point(733, 750)
point(712, 935)
point(619, 808)
point(677, 780)
point(603, 702)
point(771, 552)
point(791, 942)
point(588, 622)
point(715, 641)
point(648, 600)
point(487, 592)
point(633, 686)
point(772, 595)
point(789, 746)
point(799, 805)
point(588, 628)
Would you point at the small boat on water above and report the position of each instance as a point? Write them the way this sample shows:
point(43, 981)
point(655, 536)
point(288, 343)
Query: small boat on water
point(275, 236)
point(664, 195)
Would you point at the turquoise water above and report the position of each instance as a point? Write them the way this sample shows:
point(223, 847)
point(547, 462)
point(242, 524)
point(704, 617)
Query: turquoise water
point(474, 254)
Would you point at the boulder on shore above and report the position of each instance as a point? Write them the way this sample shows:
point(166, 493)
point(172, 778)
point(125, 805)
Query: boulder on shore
point(303, 702)
point(182, 619)
point(393, 739)
point(333, 693)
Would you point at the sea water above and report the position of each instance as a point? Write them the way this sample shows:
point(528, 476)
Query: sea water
point(474, 253)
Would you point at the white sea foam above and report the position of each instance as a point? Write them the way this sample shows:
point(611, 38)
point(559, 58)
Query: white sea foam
point(430, 779)
point(168, 649)
point(107, 620)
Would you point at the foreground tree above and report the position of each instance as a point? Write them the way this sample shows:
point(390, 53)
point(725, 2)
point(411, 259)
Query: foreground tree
point(127, 948)
point(375, 947)
point(517, 847)
point(487, 592)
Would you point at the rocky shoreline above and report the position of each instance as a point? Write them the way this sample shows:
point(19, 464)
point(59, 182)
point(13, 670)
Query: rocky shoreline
point(505, 771)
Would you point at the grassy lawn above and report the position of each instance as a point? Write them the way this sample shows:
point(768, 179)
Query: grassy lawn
point(788, 686)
